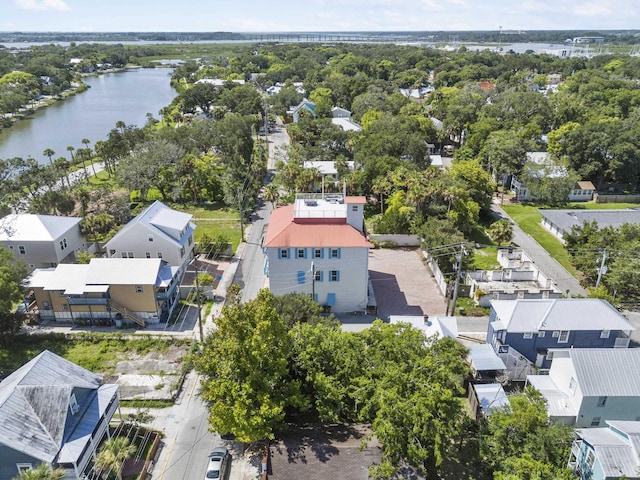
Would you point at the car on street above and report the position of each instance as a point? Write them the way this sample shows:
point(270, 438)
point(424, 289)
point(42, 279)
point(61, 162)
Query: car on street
point(218, 467)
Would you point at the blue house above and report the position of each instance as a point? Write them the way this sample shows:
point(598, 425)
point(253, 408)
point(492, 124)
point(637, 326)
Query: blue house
point(607, 453)
point(529, 328)
point(305, 104)
point(53, 411)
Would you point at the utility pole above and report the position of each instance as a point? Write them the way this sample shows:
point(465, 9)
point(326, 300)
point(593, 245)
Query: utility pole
point(457, 282)
point(239, 198)
point(313, 281)
point(603, 268)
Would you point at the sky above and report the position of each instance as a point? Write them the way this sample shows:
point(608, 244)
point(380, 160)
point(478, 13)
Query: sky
point(315, 15)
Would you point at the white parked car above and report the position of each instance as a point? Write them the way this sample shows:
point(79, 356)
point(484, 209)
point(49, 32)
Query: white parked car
point(218, 467)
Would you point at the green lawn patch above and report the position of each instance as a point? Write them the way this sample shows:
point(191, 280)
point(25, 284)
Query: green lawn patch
point(528, 218)
point(97, 352)
point(214, 219)
point(485, 258)
point(602, 206)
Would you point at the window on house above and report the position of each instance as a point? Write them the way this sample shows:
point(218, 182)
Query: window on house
point(334, 253)
point(22, 250)
point(73, 404)
point(317, 253)
point(595, 421)
point(65, 306)
point(23, 467)
point(564, 336)
point(549, 355)
point(150, 238)
point(527, 335)
point(334, 275)
point(354, 208)
point(555, 334)
point(301, 253)
point(284, 253)
point(63, 244)
point(138, 288)
point(572, 385)
point(541, 334)
point(605, 333)
point(317, 275)
point(591, 458)
point(127, 254)
point(602, 401)
point(159, 254)
point(147, 254)
point(191, 240)
point(182, 252)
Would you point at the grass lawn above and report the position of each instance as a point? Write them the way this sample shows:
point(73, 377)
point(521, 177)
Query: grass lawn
point(97, 352)
point(485, 258)
point(214, 219)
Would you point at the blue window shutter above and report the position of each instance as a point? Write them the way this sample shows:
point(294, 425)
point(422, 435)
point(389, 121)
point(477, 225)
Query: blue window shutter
point(337, 275)
point(321, 276)
point(315, 297)
point(279, 253)
point(305, 253)
point(288, 253)
point(339, 252)
point(300, 276)
point(322, 253)
point(331, 299)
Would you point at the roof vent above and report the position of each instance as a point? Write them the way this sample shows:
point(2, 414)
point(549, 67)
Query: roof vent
point(310, 202)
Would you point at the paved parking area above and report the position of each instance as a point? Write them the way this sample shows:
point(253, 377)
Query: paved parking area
point(403, 284)
point(331, 453)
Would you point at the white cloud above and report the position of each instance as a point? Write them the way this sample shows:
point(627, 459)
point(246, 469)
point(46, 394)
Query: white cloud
point(58, 5)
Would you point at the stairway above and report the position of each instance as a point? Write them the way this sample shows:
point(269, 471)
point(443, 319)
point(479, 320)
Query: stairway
point(127, 313)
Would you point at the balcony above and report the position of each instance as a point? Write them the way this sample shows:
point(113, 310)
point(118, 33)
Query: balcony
point(88, 301)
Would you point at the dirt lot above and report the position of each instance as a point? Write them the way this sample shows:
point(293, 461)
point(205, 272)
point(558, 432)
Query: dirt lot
point(403, 284)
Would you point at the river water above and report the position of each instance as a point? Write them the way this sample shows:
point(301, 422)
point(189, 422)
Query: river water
point(126, 96)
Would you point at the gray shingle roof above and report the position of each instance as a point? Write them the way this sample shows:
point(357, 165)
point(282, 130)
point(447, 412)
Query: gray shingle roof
point(34, 401)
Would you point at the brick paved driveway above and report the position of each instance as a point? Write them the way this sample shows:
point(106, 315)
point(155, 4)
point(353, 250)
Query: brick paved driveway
point(333, 453)
point(403, 284)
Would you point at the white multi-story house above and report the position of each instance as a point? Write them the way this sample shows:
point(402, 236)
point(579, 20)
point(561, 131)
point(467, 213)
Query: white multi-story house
point(587, 386)
point(157, 232)
point(42, 241)
point(318, 246)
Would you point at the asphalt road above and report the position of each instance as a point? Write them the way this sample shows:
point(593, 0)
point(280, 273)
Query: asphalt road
point(187, 439)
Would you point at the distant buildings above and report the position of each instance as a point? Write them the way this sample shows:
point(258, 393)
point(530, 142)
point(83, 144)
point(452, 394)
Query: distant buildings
point(560, 222)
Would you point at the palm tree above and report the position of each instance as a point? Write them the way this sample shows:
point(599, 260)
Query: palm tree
point(63, 165)
point(49, 153)
point(43, 471)
point(112, 455)
point(86, 143)
point(272, 194)
point(501, 231)
point(70, 149)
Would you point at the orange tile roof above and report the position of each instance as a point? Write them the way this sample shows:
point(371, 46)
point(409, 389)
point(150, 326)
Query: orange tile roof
point(354, 199)
point(284, 232)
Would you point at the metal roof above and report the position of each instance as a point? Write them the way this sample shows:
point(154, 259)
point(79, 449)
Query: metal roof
point(483, 358)
point(34, 404)
point(490, 396)
point(442, 326)
point(123, 271)
point(557, 401)
point(613, 372)
point(584, 314)
point(615, 447)
point(29, 227)
point(158, 218)
point(565, 219)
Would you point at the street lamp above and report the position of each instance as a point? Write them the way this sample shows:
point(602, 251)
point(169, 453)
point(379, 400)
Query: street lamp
point(195, 270)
